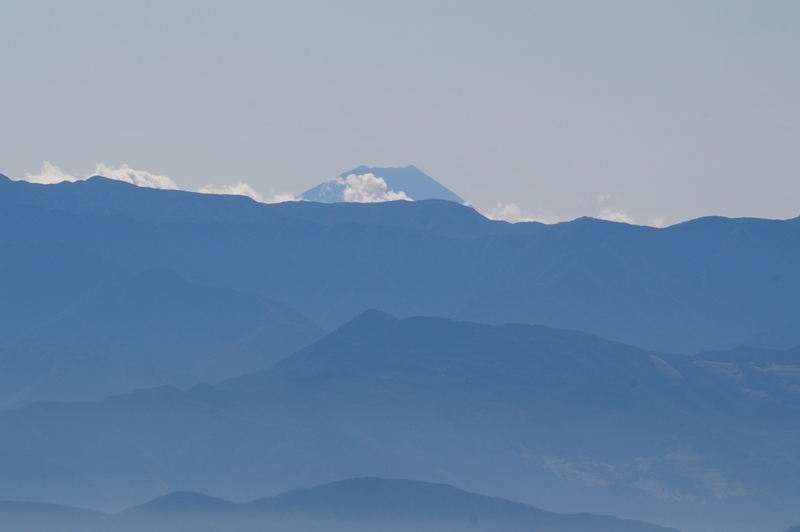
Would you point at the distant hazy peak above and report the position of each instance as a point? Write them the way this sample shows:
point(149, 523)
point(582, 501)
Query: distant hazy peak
point(370, 320)
point(184, 500)
point(408, 181)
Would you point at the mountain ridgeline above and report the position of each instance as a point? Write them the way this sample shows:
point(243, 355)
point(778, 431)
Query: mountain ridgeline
point(199, 351)
point(699, 285)
point(364, 504)
point(410, 180)
point(558, 418)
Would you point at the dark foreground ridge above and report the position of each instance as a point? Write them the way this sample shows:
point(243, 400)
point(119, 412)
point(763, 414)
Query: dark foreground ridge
point(363, 504)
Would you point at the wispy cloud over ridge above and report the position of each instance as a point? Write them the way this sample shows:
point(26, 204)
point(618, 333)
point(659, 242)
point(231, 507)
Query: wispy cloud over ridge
point(615, 215)
point(354, 188)
point(507, 212)
point(51, 174)
point(140, 178)
point(243, 189)
point(239, 189)
point(658, 221)
point(512, 213)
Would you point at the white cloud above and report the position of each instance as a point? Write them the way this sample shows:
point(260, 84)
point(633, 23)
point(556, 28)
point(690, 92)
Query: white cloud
point(139, 178)
point(282, 198)
point(243, 189)
point(507, 212)
point(367, 188)
point(511, 212)
point(615, 215)
point(659, 221)
point(239, 189)
point(50, 174)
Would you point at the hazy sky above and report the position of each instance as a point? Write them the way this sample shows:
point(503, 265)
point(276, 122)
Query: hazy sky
point(658, 111)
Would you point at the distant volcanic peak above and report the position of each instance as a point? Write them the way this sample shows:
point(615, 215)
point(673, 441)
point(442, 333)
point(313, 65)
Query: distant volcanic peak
point(370, 185)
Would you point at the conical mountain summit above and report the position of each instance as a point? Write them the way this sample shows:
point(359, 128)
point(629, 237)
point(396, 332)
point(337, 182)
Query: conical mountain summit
point(368, 184)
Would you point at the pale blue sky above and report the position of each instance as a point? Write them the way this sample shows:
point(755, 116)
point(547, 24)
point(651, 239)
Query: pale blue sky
point(661, 110)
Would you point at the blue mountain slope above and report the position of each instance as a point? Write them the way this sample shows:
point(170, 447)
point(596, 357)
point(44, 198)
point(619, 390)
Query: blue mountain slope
point(159, 319)
point(559, 419)
point(375, 503)
point(348, 505)
point(34, 373)
point(782, 336)
point(694, 286)
point(77, 326)
point(99, 196)
point(416, 184)
point(40, 517)
point(41, 276)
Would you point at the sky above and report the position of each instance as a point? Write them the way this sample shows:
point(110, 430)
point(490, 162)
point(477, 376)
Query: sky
point(648, 112)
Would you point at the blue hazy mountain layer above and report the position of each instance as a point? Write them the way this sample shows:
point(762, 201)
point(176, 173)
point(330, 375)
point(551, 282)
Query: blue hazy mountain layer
point(40, 517)
point(366, 504)
point(158, 319)
point(698, 285)
point(558, 419)
point(782, 336)
point(416, 184)
point(75, 326)
point(102, 196)
point(61, 373)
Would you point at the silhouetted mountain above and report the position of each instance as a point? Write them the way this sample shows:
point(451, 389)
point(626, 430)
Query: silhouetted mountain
point(41, 517)
point(106, 287)
point(191, 511)
point(560, 419)
point(416, 184)
point(349, 505)
point(99, 196)
point(379, 504)
point(64, 374)
point(41, 276)
point(698, 285)
point(77, 326)
point(160, 320)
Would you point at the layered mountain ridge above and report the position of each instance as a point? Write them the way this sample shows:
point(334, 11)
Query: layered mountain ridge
point(350, 505)
point(522, 412)
point(179, 341)
point(700, 285)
